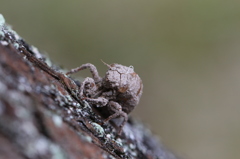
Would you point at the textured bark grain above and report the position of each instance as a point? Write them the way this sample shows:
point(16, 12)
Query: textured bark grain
point(42, 117)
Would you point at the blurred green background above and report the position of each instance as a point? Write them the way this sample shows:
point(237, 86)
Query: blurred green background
point(186, 52)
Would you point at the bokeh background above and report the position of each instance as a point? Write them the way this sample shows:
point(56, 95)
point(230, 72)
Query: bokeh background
point(186, 52)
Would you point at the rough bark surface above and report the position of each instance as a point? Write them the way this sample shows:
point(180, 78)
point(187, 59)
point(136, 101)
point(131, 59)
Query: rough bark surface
point(42, 117)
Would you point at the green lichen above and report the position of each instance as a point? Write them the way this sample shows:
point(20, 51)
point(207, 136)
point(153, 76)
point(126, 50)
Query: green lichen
point(57, 120)
point(88, 139)
point(48, 62)
point(2, 22)
point(119, 142)
point(36, 51)
point(57, 152)
point(98, 129)
point(86, 105)
point(14, 33)
point(85, 137)
point(7, 29)
point(16, 45)
point(69, 98)
point(78, 105)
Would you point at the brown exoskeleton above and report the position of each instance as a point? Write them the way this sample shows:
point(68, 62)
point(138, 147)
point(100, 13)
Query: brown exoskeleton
point(120, 90)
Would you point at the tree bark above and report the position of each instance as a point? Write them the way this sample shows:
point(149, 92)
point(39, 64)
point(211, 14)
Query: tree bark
point(41, 116)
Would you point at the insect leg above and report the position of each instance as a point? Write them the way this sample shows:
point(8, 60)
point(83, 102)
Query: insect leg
point(90, 66)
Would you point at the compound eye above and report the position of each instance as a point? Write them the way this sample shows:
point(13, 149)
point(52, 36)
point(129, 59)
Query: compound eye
point(131, 67)
point(113, 68)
